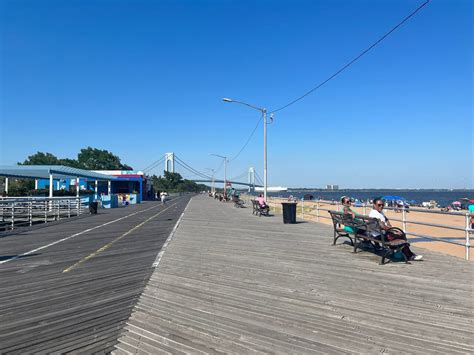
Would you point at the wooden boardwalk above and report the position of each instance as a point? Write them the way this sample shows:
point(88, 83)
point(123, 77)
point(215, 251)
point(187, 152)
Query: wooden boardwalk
point(77, 288)
point(230, 282)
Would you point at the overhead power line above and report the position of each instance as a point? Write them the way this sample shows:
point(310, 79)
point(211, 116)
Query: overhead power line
point(355, 59)
point(248, 139)
point(219, 167)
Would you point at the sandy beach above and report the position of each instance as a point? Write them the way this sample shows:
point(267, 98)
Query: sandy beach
point(458, 236)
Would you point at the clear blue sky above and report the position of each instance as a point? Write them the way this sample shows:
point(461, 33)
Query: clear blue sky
point(141, 78)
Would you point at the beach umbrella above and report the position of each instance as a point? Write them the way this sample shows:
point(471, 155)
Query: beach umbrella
point(393, 198)
point(456, 203)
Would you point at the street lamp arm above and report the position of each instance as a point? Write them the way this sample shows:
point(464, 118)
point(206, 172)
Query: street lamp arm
point(219, 156)
point(244, 103)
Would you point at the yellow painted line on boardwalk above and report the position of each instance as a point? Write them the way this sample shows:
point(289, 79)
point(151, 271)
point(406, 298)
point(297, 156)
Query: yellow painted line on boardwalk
point(108, 245)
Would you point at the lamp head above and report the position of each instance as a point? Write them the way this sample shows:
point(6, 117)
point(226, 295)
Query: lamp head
point(225, 99)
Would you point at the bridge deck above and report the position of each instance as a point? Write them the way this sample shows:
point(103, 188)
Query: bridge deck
point(230, 282)
point(44, 310)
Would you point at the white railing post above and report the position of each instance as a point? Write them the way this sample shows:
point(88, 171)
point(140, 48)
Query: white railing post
point(30, 212)
point(317, 211)
point(13, 215)
point(404, 219)
point(45, 211)
point(365, 209)
point(468, 242)
point(68, 208)
point(78, 206)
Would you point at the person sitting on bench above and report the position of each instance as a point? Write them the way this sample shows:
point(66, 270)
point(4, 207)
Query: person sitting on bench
point(262, 203)
point(385, 225)
point(346, 208)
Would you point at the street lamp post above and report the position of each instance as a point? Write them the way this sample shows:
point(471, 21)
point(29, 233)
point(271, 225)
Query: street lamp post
point(213, 189)
point(225, 171)
point(264, 113)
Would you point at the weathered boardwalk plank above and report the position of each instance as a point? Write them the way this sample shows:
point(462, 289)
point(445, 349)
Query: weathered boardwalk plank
point(230, 282)
point(44, 310)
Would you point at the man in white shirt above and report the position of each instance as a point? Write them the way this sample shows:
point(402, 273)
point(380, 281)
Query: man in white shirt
point(377, 212)
point(163, 195)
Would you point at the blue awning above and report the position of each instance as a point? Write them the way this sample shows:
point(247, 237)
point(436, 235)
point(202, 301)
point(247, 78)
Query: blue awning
point(58, 172)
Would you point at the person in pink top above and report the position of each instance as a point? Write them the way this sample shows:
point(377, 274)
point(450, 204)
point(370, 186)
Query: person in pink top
point(261, 201)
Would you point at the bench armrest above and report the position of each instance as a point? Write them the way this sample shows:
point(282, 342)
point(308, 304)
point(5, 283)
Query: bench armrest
point(394, 233)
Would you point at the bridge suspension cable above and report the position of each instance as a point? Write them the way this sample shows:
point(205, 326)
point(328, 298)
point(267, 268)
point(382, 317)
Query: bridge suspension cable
point(258, 178)
point(244, 174)
point(190, 168)
point(193, 173)
point(154, 164)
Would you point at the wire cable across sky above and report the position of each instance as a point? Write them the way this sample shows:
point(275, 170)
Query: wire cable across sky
point(248, 140)
point(355, 59)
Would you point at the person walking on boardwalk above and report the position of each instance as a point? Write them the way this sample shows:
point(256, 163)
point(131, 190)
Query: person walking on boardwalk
point(163, 195)
point(385, 225)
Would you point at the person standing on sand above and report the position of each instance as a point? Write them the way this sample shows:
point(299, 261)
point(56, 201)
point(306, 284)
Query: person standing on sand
point(377, 212)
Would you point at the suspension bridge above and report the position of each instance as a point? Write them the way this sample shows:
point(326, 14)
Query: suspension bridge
point(173, 163)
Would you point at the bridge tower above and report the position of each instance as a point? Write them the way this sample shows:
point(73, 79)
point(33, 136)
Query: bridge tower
point(169, 162)
point(251, 179)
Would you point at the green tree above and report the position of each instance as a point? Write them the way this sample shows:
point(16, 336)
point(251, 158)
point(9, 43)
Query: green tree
point(41, 158)
point(70, 162)
point(20, 187)
point(88, 158)
point(97, 159)
point(174, 182)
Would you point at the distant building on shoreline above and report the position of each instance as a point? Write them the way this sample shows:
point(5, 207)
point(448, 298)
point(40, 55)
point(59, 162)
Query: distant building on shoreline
point(332, 187)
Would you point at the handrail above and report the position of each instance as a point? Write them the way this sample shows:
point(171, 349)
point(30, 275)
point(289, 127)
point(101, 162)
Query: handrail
point(445, 226)
point(421, 210)
point(27, 212)
point(40, 198)
point(435, 238)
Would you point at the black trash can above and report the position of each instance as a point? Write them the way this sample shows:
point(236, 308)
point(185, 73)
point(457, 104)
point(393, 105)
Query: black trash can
point(93, 207)
point(289, 212)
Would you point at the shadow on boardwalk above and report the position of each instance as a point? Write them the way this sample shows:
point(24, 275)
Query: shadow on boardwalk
point(235, 283)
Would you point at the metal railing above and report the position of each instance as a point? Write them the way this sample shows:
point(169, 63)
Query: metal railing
point(26, 211)
point(319, 213)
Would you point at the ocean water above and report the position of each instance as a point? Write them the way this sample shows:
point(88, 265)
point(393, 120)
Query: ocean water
point(442, 197)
